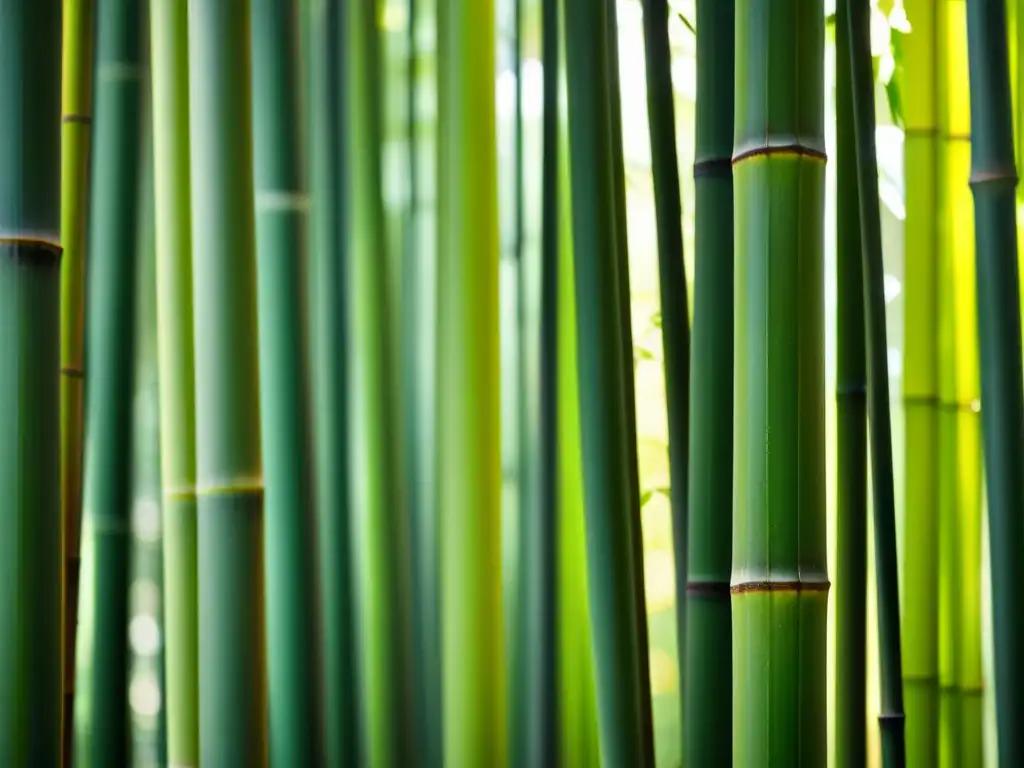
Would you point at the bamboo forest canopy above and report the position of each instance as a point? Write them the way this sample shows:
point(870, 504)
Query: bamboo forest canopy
point(511, 382)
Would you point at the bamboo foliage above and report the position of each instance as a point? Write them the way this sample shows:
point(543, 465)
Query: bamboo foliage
point(993, 179)
point(296, 728)
point(468, 428)
point(232, 646)
point(30, 256)
point(76, 144)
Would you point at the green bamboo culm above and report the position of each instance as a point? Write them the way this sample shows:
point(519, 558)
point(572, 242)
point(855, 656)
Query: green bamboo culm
point(618, 191)
point(707, 676)
point(172, 192)
point(232, 645)
point(609, 505)
point(76, 149)
point(920, 387)
point(779, 579)
point(381, 524)
point(468, 366)
point(891, 718)
point(323, 30)
point(675, 313)
point(282, 204)
point(851, 404)
point(539, 515)
point(111, 340)
point(30, 255)
point(993, 182)
point(149, 732)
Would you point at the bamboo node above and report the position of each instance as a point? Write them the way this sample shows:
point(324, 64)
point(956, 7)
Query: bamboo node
point(713, 167)
point(780, 585)
point(242, 486)
point(708, 588)
point(766, 149)
point(1001, 178)
point(72, 372)
point(75, 118)
point(180, 493)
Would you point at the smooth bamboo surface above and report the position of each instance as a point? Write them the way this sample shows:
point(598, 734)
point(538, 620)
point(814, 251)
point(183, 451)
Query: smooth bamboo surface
point(172, 180)
point(707, 676)
point(117, 155)
point(229, 477)
point(922, 58)
point(76, 148)
point(30, 257)
point(323, 32)
point(779, 579)
point(468, 370)
point(282, 208)
point(993, 181)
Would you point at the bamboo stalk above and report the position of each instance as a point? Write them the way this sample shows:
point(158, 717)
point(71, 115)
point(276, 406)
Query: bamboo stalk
point(230, 522)
point(468, 431)
point(707, 676)
point(382, 521)
point(578, 722)
point(323, 35)
point(921, 387)
point(851, 396)
point(172, 153)
point(618, 191)
point(675, 325)
point(282, 205)
point(30, 256)
point(993, 182)
point(149, 736)
point(539, 544)
point(779, 580)
point(111, 334)
point(608, 482)
point(76, 143)
point(891, 719)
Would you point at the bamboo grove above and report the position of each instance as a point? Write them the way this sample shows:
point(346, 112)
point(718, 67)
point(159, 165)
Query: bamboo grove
point(511, 382)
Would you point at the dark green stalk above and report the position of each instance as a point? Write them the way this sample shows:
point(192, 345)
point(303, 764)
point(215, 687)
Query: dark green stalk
point(862, 81)
point(707, 674)
point(30, 255)
point(417, 279)
point(851, 402)
point(675, 313)
point(232, 644)
point(608, 482)
point(779, 578)
point(381, 520)
point(111, 333)
point(324, 33)
point(993, 183)
point(282, 204)
point(618, 191)
point(538, 631)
